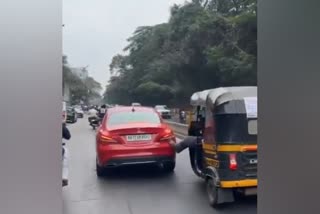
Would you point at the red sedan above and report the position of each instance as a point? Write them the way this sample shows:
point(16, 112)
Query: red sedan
point(134, 135)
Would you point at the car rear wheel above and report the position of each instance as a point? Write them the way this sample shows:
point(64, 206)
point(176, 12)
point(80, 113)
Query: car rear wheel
point(169, 166)
point(100, 171)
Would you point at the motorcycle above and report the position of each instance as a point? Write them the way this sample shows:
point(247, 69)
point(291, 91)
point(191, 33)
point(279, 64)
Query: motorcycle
point(182, 117)
point(94, 122)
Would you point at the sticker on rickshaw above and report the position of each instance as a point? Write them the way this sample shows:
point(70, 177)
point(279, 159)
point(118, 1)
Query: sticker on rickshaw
point(251, 107)
point(212, 162)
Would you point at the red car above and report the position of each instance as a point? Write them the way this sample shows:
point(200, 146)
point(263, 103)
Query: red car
point(134, 135)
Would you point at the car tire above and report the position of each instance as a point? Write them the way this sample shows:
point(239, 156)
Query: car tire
point(169, 166)
point(212, 192)
point(100, 171)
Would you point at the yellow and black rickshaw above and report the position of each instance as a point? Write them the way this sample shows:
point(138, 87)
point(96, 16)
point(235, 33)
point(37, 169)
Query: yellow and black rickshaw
point(226, 154)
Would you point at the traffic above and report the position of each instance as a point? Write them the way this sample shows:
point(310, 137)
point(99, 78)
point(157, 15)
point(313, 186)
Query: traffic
point(221, 139)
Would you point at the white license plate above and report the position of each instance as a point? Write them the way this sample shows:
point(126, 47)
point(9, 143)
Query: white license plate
point(142, 137)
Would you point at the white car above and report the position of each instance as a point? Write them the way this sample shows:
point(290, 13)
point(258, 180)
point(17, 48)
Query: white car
point(135, 104)
point(163, 111)
point(79, 112)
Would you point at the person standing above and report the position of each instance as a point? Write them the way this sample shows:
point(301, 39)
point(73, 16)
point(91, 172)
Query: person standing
point(67, 136)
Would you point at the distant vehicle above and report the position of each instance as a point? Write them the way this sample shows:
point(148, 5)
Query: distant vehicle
point(71, 115)
point(135, 104)
point(64, 111)
point(79, 112)
point(163, 111)
point(136, 135)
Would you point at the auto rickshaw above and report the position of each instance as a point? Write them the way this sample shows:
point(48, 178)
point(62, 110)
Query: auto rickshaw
point(226, 152)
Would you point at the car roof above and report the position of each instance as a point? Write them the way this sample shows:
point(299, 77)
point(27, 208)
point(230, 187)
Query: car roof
point(129, 108)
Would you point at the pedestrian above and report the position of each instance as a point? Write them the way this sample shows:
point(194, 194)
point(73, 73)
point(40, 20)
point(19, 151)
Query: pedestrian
point(67, 136)
point(65, 132)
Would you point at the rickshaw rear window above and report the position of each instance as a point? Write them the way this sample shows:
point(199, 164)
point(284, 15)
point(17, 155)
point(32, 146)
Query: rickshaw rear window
point(253, 127)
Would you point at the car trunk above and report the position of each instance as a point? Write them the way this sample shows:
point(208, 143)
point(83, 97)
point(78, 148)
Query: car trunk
point(123, 132)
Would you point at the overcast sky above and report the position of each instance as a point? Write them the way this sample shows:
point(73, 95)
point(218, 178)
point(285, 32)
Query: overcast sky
point(96, 30)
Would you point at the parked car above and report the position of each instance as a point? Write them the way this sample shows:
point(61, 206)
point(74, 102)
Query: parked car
point(79, 112)
point(163, 111)
point(134, 135)
point(71, 115)
point(64, 111)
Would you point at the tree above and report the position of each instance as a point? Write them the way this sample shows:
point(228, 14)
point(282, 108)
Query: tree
point(205, 44)
point(81, 90)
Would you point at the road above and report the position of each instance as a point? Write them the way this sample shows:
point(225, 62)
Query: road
point(137, 190)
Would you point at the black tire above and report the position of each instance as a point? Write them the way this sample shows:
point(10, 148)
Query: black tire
point(169, 167)
point(212, 192)
point(100, 171)
point(65, 182)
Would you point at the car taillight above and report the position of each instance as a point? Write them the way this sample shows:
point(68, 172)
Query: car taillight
point(233, 165)
point(167, 135)
point(107, 140)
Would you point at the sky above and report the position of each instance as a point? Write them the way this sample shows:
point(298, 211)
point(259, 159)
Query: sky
point(96, 30)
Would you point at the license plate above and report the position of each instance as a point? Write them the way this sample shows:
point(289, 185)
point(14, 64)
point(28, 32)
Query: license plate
point(142, 137)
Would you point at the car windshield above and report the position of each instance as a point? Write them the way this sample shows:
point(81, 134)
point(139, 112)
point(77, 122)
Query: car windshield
point(120, 118)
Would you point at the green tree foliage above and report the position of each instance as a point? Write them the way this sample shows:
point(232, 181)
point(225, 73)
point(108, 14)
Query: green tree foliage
point(84, 90)
point(205, 44)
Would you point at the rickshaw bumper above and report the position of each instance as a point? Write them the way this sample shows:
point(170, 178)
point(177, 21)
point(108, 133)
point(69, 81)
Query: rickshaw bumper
point(248, 187)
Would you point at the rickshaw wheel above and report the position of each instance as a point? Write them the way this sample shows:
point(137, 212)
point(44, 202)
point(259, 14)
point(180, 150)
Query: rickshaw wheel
point(212, 192)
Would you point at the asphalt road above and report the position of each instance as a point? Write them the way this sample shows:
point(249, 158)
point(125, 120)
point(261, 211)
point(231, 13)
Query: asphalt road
point(134, 190)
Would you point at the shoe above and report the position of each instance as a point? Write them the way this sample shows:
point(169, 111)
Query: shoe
point(65, 182)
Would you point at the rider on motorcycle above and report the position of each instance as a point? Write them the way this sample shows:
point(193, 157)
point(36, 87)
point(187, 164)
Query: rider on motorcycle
point(102, 111)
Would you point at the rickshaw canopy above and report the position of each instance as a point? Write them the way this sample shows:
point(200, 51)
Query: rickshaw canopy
point(220, 96)
point(199, 98)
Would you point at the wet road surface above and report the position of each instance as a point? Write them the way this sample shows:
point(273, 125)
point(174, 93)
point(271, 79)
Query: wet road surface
point(134, 190)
